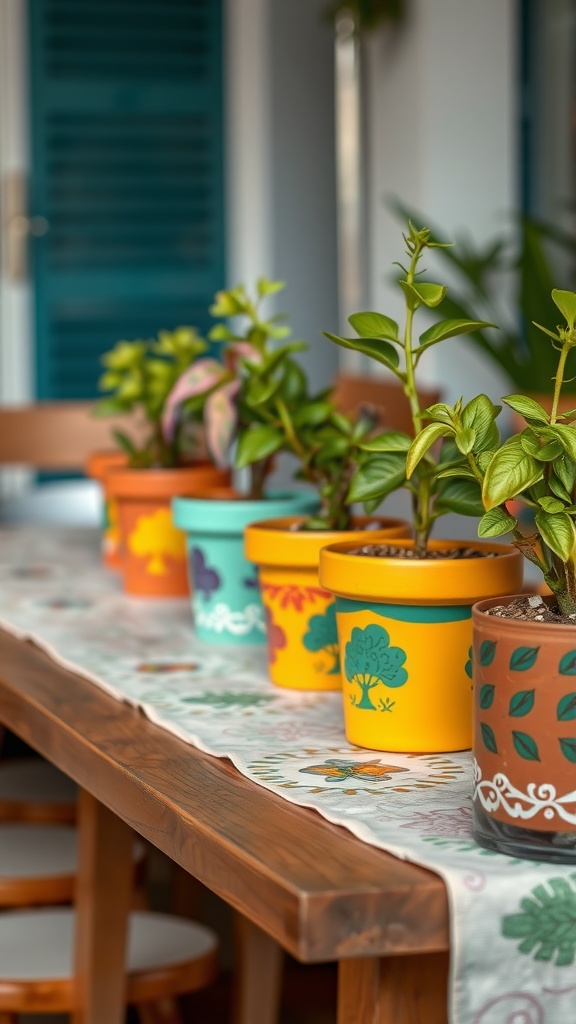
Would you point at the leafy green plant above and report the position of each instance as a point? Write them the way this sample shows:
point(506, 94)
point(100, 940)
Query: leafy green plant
point(139, 375)
point(509, 280)
point(382, 467)
point(537, 465)
point(257, 403)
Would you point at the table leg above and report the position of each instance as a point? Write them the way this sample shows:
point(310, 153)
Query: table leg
point(258, 964)
point(104, 886)
point(393, 990)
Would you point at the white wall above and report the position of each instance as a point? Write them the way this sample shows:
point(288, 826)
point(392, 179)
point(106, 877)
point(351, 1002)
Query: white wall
point(281, 167)
point(442, 137)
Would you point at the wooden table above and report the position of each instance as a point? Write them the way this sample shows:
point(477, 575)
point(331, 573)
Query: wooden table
point(298, 881)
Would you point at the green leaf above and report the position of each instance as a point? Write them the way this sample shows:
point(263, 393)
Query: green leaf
point(377, 477)
point(462, 497)
point(547, 452)
point(509, 472)
point(567, 666)
point(568, 748)
point(527, 407)
point(312, 414)
point(557, 532)
point(439, 412)
point(487, 652)
point(523, 658)
point(382, 351)
point(487, 692)
point(557, 488)
point(423, 442)
point(391, 441)
point(450, 329)
point(551, 505)
point(566, 302)
point(423, 292)
point(565, 434)
point(266, 287)
point(480, 415)
point(258, 443)
point(488, 738)
point(525, 745)
point(496, 523)
point(374, 325)
point(465, 439)
point(566, 710)
point(521, 703)
point(565, 470)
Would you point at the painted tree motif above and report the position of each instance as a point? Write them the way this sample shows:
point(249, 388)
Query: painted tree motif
point(322, 635)
point(370, 661)
point(156, 538)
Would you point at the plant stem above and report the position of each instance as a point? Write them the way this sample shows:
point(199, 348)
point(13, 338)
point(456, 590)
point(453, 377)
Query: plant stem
point(558, 381)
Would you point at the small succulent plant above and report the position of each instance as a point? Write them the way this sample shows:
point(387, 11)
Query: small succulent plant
point(138, 377)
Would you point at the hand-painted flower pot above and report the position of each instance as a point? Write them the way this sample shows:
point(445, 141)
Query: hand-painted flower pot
point(153, 550)
point(524, 736)
point(98, 466)
point(405, 634)
point(300, 614)
point(226, 602)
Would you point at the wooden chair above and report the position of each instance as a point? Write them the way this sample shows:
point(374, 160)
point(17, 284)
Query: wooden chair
point(386, 398)
point(48, 436)
point(56, 435)
point(167, 955)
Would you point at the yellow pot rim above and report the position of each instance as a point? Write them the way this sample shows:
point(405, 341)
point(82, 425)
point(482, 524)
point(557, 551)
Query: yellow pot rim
point(422, 581)
point(274, 542)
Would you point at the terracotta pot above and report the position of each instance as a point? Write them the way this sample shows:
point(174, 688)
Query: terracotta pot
point(300, 614)
point(524, 736)
point(405, 634)
point(226, 602)
point(153, 550)
point(98, 466)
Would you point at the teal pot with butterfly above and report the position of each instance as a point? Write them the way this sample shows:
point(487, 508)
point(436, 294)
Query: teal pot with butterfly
point(226, 603)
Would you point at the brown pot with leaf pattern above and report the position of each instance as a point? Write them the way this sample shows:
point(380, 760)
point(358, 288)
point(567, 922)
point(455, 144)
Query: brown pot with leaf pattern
point(524, 735)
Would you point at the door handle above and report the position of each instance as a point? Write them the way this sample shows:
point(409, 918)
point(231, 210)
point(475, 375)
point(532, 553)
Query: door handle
point(17, 227)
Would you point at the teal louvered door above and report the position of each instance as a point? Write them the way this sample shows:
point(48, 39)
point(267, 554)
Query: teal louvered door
point(126, 167)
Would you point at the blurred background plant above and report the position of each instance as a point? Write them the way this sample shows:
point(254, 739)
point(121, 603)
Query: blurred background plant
point(139, 375)
point(367, 14)
point(509, 281)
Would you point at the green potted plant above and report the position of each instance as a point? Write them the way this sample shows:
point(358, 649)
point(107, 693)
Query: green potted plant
point(524, 649)
point(233, 398)
point(404, 609)
point(302, 636)
point(139, 375)
point(509, 279)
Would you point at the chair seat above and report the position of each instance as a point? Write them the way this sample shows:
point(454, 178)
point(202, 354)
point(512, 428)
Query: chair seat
point(34, 790)
point(165, 955)
point(38, 863)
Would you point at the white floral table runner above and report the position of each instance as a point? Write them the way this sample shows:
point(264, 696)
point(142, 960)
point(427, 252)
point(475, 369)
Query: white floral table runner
point(513, 922)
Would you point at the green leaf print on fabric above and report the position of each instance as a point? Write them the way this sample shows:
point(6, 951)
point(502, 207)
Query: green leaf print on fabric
point(370, 660)
point(230, 700)
point(546, 925)
point(322, 635)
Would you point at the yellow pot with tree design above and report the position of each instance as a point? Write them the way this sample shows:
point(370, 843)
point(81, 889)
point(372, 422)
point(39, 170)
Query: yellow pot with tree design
point(300, 614)
point(405, 636)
